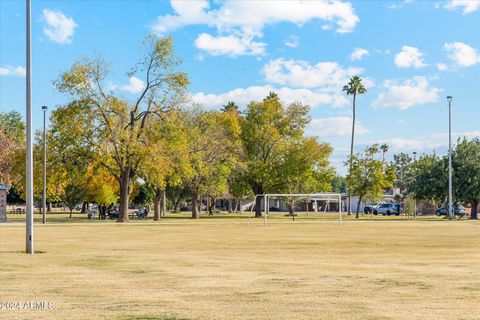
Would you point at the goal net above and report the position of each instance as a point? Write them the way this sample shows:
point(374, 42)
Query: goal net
point(328, 198)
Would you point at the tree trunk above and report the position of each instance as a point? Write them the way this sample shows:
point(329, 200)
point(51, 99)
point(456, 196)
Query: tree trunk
point(474, 212)
point(176, 204)
point(195, 206)
point(351, 154)
point(124, 195)
point(84, 207)
point(71, 213)
point(258, 190)
point(358, 207)
point(163, 194)
point(291, 206)
point(49, 207)
point(156, 205)
point(229, 206)
point(211, 206)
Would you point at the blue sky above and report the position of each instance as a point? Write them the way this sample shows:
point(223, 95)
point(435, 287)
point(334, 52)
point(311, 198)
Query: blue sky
point(411, 54)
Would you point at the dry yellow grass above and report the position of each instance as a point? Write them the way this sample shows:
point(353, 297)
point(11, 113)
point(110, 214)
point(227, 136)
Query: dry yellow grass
point(363, 270)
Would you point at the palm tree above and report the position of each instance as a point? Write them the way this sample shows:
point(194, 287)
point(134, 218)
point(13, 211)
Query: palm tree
point(384, 148)
point(229, 106)
point(354, 87)
point(271, 95)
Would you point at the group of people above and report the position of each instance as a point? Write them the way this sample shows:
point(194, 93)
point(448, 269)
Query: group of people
point(111, 211)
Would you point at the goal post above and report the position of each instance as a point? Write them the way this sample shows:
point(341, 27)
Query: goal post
point(328, 197)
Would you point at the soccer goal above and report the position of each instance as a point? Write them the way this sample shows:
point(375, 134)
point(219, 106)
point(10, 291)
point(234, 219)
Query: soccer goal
point(327, 197)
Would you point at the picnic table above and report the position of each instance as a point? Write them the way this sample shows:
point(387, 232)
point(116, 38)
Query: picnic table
point(18, 211)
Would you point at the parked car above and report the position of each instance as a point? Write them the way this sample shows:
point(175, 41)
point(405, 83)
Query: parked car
point(388, 209)
point(458, 210)
point(370, 207)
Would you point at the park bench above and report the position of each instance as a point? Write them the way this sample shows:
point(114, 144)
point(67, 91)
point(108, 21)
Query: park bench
point(140, 214)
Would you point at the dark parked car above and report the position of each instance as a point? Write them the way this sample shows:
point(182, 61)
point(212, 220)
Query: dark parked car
point(458, 210)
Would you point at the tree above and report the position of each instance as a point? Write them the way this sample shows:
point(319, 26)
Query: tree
point(101, 186)
point(12, 144)
point(73, 194)
point(171, 166)
point(353, 88)
point(466, 173)
point(404, 170)
point(306, 169)
point(267, 132)
point(112, 129)
point(384, 148)
point(431, 179)
point(339, 184)
point(368, 177)
point(230, 106)
point(213, 138)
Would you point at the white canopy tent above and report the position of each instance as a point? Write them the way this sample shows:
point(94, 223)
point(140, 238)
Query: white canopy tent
point(329, 197)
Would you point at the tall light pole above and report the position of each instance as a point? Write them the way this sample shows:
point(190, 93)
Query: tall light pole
point(29, 162)
point(450, 207)
point(415, 199)
point(44, 108)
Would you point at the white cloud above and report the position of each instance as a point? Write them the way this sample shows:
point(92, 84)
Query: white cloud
point(359, 53)
point(59, 28)
point(248, 18)
point(425, 143)
point(462, 54)
point(12, 71)
point(410, 93)
point(243, 96)
point(397, 5)
point(441, 66)
point(334, 126)
point(230, 45)
point(298, 73)
point(135, 85)
point(409, 57)
point(468, 6)
point(291, 42)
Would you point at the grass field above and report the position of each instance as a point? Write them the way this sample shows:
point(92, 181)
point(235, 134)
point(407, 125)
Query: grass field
point(181, 269)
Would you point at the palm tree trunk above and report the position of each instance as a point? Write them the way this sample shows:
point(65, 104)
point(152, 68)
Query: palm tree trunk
point(351, 154)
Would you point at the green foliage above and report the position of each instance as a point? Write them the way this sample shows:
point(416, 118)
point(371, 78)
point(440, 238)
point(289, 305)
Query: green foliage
point(339, 184)
point(117, 133)
point(12, 125)
point(12, 146)
point(431, 179)
point(267, 133)
point(355, 86)
point(466, 170)
point(368, 177)
point(405, 172)
point(213, 139)
point(466, 173)
point(73, 193)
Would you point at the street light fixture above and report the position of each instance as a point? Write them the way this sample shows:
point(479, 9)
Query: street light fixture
point(450, 207)
point(44, 108)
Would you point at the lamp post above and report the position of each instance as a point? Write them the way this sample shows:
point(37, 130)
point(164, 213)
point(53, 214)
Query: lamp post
point(29, 156)
point(44, 108)
point(415, 199)
point(450, 208)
